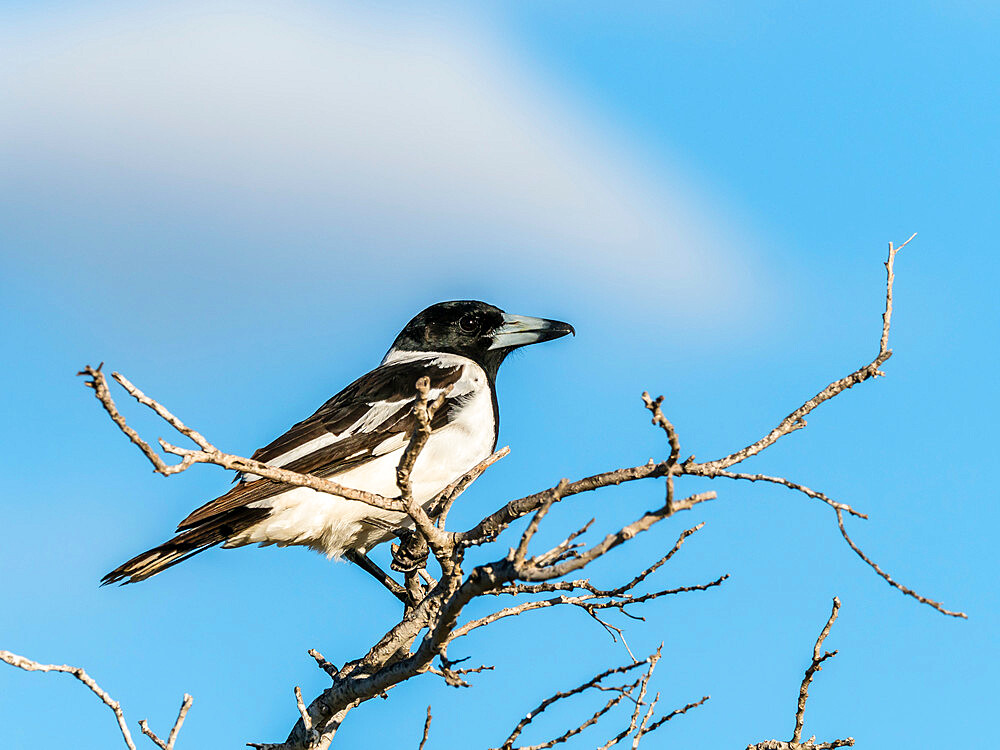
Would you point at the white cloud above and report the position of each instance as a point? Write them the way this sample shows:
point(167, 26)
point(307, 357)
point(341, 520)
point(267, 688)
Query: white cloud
point(408, 130)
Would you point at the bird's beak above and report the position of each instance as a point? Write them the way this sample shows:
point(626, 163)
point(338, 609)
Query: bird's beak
point(521, 330)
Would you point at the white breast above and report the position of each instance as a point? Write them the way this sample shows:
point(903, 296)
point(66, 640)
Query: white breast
point(332, 525)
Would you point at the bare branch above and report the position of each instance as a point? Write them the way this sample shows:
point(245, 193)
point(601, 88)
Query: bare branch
point(592, 683)
point(555, 495)
point(633, 724)
point(645, 722)
point(655, 566)
point(677, 712)
point(144, 727)
point(284, 476)
point(644, 727)
point(813, 668)
point(181, 715)
point(576, 730)
point(888, 579)
point(100, 386)
point(615, 539)
point(196, 437)
point(593, 600)
point(701, 471)
point(423, 409)
point(427, 729)
point(536, 588)
point(322, 663)
point(704, 470)
point(796, 420)
point(589, 602)
point(174, 730)
point(807, 745)
point(28, 665)
point(668, 427)
point(208, 454)
point(454, 677)
point(890, 277)
point(306, 720)
point(438, 507)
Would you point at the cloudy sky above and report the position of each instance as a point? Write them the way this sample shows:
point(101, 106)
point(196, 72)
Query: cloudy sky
point(304, 127)
point(239, 204)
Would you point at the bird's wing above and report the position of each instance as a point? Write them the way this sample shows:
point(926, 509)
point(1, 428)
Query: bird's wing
point(345, 432)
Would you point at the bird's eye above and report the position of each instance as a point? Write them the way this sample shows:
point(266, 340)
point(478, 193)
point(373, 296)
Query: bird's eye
point(469, 323)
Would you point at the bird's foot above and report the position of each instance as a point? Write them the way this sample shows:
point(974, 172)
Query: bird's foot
point(410, 554)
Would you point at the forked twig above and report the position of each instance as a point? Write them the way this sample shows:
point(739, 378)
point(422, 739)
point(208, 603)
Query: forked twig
point(29, 665)
point(814, 666)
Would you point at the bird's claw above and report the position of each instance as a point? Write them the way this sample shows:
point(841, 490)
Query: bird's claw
point(410, 554)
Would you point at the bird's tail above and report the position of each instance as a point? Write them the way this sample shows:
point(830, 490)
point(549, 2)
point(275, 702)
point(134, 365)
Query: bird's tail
point(213, 531)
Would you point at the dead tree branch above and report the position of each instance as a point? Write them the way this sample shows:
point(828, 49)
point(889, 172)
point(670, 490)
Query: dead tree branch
point(796, 421)
point(209, 454)
point(888, 579)
point(22, 662)
point(172, 737)
point(427, 729)
point(814, 666)
point(433, 617)
point(634, 691)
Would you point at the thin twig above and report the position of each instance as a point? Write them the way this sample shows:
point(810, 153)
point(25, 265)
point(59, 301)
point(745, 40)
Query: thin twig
point(645, 722)
point(181, 715)
point(593, 682)
point(796, 420)
point(427, 729)
point(814, 667)
point(890, 279)
point(701, 471)
point(174, 730)
point(144, 728)
point(578, 729)
point(424, 408)
point(22, 662)
point(555, 495)
point(322, 663)
point(196, 437)
point(209, 454)
point(676, 712)
point(658, 418)
point(439, 507)
point(888, 579)
point(306, 719)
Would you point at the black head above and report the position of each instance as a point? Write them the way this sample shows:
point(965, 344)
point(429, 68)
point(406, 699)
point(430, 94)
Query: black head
point(481, 332)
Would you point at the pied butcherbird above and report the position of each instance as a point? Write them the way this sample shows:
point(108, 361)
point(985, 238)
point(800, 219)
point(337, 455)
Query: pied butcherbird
point(357, 438)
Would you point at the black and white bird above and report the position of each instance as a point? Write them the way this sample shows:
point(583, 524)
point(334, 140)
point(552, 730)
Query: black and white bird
point(357, 438)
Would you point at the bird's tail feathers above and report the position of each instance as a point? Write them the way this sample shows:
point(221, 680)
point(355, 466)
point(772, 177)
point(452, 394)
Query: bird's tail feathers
point(213, 531)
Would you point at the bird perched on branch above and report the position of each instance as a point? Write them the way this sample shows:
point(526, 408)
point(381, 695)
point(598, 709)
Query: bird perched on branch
point(357, 438)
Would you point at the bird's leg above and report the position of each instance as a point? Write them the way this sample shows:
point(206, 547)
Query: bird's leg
point(411, 553)
point(360, 559)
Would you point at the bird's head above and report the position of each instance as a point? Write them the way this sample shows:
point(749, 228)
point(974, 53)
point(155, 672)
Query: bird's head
point(481, 332)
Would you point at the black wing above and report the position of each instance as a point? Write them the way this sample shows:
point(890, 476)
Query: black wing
point(391, 387)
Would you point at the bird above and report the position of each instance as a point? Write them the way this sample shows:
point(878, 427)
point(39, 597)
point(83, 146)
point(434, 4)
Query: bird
point(357, 438)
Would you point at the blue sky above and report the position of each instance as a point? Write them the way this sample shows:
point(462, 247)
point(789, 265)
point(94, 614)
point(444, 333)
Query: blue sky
point(238, 205)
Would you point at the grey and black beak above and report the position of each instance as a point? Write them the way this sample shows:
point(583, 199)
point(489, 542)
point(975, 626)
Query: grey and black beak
point(521, 330)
